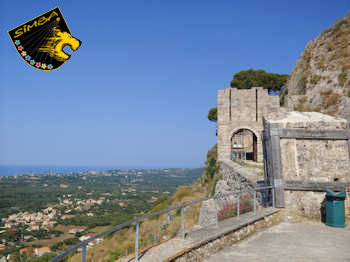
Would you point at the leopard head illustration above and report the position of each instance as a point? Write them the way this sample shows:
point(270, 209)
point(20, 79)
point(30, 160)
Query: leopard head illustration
point(54, 45)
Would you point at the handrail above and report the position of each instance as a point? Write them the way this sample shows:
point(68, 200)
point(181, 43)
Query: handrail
point(84, 243)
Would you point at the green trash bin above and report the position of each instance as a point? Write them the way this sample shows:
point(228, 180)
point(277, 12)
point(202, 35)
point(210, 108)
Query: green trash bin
point(335, 210)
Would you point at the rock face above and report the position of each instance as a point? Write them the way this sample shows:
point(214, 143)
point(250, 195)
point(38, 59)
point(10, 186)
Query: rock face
point(320, 80)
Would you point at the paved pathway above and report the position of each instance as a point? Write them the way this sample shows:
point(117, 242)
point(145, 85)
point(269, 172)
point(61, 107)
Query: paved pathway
point(291, 242)
point(177, 245)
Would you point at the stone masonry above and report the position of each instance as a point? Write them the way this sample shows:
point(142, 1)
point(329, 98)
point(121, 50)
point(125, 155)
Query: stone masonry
point(311, 160)
point(242, 109)
point(235, 178)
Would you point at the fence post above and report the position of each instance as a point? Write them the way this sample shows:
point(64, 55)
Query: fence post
point(238, 204)
point(275, 155)
point(183, 222)
point(348, 129)
point(273, 196)
point(83, 253)
point(254, 202)
point(137, 242)
point(155, 239)
point(216, 214)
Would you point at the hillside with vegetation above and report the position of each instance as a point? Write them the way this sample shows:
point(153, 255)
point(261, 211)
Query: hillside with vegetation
point(54, 210)
point(163, 227)
point(320, 80)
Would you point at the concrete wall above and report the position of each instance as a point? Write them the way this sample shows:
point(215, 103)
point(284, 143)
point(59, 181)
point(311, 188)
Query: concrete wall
point(242, 109)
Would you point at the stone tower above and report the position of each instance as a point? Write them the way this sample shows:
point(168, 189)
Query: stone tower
point(240, 113)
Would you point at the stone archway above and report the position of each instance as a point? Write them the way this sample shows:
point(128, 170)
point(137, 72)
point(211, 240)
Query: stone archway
point(244, 144)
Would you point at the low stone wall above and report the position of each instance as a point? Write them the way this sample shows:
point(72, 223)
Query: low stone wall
point(301, 205)
point(205, 250)
point(235, 178)
point(306, 205)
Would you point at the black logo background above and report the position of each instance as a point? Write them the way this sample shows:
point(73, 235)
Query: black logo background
point(29, 41)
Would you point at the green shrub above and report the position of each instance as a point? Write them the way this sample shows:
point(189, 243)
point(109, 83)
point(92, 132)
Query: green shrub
point(303, 100)
point(321, 65)
point(342, 77)
point(114, 255)
point(211, 166)
point(160, 206)
point(213, 185)
point(183, 192)
point(213, 114)
point(345, 62)
point(307, 56)
point(333, 100)
point(307, 108)
point(331, 46)
point(315, 79)
point(247, 79)
point(317, 109)
point(283, 95)
point(164, 199)
point(326, 92)
point(339, 24)
point(299, 108)
point(44, 258)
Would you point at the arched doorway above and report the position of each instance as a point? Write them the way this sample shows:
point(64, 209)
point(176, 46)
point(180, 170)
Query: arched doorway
point(244, 145)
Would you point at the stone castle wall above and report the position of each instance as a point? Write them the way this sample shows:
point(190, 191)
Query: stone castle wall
point(242, 109)
point(311, 160)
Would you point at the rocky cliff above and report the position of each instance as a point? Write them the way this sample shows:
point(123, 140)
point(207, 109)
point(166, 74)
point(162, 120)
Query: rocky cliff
point(320, 80)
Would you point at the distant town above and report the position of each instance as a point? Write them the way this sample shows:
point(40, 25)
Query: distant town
point(46, 213)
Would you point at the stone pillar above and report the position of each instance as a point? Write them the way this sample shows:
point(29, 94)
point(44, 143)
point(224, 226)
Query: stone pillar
point(224, 97)
point(259, 148)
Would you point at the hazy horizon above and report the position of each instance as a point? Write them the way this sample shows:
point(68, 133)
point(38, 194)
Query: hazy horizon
point(10, 170)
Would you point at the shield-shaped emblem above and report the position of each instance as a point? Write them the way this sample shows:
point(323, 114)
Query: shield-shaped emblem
point(40, 41)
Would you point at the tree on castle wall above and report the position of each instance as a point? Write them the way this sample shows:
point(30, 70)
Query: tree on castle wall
point(247, 79)
point(213, 114)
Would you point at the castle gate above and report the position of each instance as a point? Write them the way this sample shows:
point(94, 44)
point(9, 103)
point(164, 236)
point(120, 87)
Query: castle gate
point(244, 145)
point(240, 113)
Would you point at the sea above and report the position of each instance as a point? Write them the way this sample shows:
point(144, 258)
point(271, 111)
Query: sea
point(11, 170)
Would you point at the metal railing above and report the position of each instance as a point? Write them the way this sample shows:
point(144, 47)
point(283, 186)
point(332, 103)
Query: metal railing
point(239, 154)
point(83, 245)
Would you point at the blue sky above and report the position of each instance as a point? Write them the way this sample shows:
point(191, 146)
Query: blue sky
point(138, 90)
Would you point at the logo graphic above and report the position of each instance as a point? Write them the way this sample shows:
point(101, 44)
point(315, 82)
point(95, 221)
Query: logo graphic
point(40, 41)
